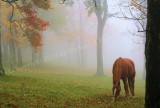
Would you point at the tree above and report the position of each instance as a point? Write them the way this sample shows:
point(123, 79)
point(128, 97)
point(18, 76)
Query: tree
point(27, 20)
point(5, 46)
point(152, 53)
point(101, 17)
point(12, 54)
point(136, 11)
point(100, 8)
point(141, 6)
point(1, 67)
point(79, 25)
point(19, 53)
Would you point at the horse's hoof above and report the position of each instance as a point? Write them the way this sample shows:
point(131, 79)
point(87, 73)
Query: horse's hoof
point(118, 96)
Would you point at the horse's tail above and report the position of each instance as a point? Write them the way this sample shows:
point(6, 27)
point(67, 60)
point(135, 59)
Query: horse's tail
point(134, 70)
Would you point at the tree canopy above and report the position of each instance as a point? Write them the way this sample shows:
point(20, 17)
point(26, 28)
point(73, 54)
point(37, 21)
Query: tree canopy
point(23, 15)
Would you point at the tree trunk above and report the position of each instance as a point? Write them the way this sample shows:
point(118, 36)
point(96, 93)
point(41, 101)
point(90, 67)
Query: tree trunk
point(100, 70)
point(81, 46)
point(1, 66)
point(4, 46)
point(152, 52)
point(81, 41)
point(40, 56)
point(34, 56)
point(20, 63)
point(12, 54)
point(5, 53)
point(101, 15)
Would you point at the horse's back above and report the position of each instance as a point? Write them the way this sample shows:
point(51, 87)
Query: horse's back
point(123, 67)
point(129, 67)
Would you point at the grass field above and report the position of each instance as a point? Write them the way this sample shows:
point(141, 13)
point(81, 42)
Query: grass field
point(57, 89)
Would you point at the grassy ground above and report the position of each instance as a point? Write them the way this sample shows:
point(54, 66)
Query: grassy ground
point(57, 89)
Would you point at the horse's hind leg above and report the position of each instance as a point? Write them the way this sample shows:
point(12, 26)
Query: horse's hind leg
point(131, 85)
point(126, 86)
point(132, 80)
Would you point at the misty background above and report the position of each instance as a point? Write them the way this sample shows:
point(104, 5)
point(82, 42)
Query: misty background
point(70, 40)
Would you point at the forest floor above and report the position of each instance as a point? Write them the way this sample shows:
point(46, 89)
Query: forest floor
point(38, 88)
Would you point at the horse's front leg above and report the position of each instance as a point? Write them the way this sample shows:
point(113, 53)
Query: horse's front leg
point(126, 87)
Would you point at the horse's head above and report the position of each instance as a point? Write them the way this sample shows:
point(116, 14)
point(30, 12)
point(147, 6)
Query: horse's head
point(116, 91)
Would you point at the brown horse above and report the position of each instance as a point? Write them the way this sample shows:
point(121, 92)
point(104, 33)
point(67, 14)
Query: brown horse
point(124, 69)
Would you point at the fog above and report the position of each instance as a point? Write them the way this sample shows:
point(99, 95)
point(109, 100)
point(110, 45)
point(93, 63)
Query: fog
point(117, 38)
point(60, 55)
point(72, 42)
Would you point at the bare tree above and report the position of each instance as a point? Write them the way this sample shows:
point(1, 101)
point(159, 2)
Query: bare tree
point(136, 11)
